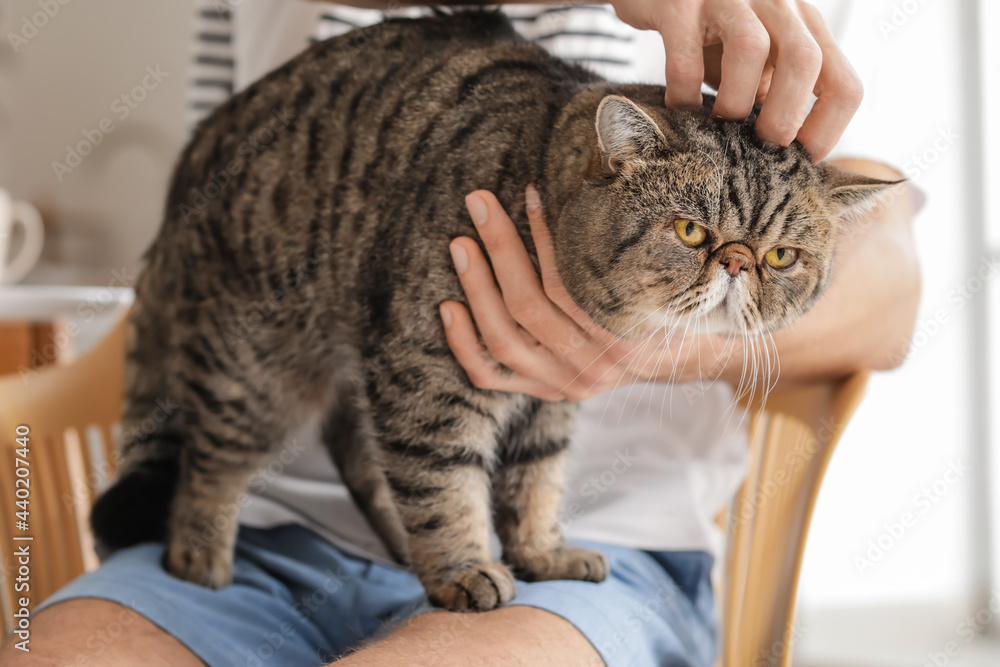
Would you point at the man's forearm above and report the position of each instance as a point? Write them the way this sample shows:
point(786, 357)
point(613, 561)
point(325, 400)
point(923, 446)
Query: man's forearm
point(866, 318)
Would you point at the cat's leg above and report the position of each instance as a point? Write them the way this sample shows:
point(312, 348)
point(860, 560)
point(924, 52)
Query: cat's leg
point(216, 465)
point(349, 436)
point(229, 426)
point(437, 444)
point(527, 489)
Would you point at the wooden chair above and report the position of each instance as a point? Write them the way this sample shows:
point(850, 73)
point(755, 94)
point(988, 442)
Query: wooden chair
point(791, 443)
point(72, 412)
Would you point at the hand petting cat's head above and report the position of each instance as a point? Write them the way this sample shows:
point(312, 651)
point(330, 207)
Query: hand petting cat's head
point(684, 219)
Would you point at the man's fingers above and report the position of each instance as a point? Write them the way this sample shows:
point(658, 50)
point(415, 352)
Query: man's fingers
point(746, 48)
point(482, 370)
point(502, 242)
point(797, 64)
point(682, 35)
point(838, 89)
point(523, 294)
point(551, 282)
point(505, 340)
point(503, 336)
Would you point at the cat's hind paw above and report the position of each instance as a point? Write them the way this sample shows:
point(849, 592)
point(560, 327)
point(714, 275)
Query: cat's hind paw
point(209, 565)
point(477, 588)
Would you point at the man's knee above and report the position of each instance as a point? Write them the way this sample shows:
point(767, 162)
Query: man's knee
point(87, 631)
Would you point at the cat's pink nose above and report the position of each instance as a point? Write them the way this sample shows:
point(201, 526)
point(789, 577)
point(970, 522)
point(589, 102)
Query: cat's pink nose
point(733, 265)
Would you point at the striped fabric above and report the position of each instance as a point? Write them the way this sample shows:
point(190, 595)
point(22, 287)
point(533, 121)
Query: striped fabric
point(590, 35)
point(213, 60)
point(587, 34)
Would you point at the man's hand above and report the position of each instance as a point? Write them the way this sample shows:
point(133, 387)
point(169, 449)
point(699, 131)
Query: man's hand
point(551, 349)
point(532, 326)
point(776, 52)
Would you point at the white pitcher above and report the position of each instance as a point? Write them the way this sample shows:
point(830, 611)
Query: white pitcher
point(13, 213)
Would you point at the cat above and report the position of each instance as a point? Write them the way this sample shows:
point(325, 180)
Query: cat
point(304, 253)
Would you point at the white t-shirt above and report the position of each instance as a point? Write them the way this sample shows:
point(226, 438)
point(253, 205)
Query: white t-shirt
point(650, 466)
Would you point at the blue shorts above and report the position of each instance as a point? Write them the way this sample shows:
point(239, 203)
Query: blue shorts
point(298, 600)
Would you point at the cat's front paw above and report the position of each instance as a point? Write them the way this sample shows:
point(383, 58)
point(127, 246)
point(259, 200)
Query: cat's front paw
point(209, 565)
point(477, 588)
point(564, 562)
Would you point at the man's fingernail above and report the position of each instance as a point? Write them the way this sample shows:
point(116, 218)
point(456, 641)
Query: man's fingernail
point(477, 209)
point(459, 257)
point(445, 316)
point(771, 145)
point(531, 199)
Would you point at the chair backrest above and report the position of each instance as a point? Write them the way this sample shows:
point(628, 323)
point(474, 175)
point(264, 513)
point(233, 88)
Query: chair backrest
point(70, 414)
point(767, 524)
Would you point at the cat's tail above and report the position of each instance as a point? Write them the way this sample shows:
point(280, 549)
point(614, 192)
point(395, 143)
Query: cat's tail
point(135, 508)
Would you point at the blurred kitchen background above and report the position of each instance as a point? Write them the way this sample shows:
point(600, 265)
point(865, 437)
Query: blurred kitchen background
point(872, 594)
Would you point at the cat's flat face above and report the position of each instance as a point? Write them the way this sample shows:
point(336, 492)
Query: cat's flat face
point(694, 223)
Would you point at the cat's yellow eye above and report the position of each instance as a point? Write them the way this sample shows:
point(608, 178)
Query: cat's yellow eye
point(690, 232)
point(781, 258)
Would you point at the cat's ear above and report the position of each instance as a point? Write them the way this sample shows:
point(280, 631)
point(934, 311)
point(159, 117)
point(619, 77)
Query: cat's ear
point(625, 132)
point(850, 193)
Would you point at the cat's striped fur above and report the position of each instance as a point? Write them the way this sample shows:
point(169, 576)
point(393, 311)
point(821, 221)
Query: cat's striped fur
point(304, 253)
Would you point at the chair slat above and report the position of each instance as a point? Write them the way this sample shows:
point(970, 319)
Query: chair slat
point(77, 501)
point(7, 567)
point(788, 459)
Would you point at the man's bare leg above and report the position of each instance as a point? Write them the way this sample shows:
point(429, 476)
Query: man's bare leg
point(103, 633)
point(111, 635)
point(506, 637)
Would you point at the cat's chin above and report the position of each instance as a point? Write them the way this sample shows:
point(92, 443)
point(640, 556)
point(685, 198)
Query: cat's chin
point(721, 321)
point(718, 321)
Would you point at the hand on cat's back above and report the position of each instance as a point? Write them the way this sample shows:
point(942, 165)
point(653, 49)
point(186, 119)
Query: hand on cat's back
point(547, 345)
point(776, 52)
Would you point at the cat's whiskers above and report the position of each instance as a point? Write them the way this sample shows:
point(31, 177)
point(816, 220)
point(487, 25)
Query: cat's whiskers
point(668, 339)
point(671, 335)
point(730, 410)
point(639, 354)
point(605, 351)
point(632, 353)
point(679, 370)
point(656, 370)
point(651, 379)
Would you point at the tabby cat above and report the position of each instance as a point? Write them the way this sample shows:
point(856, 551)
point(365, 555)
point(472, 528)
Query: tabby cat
point(304, 254)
